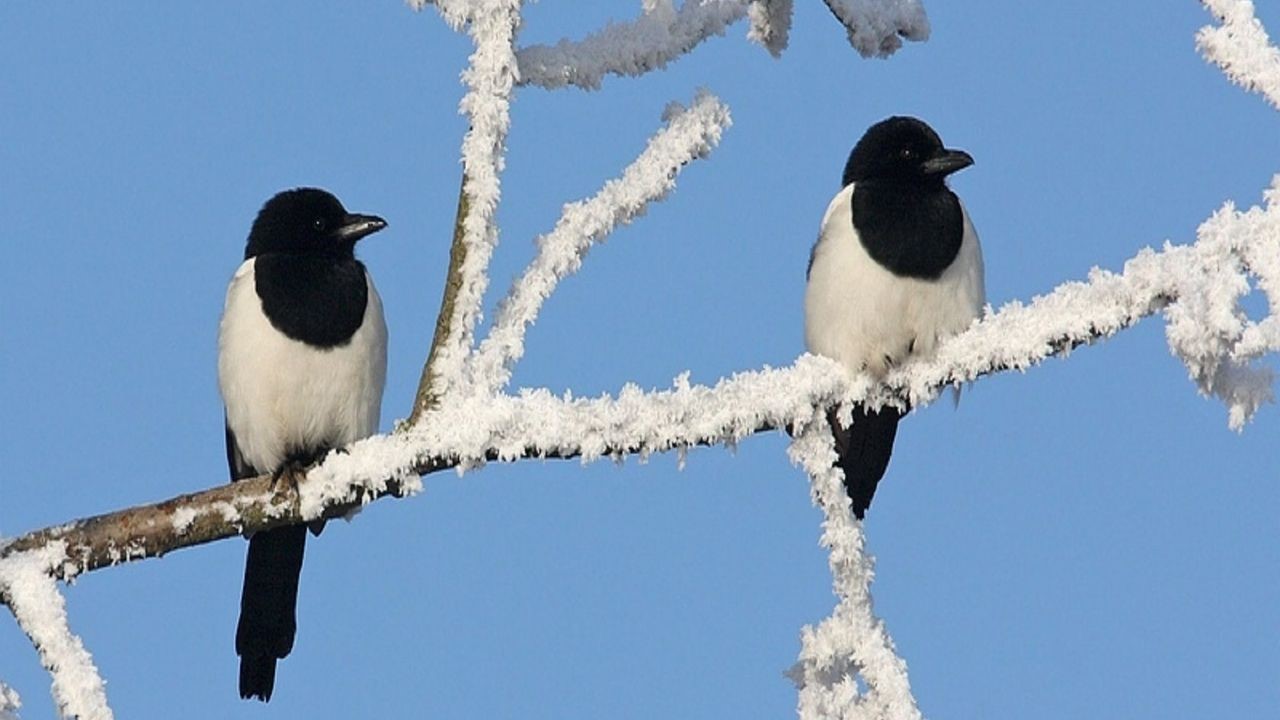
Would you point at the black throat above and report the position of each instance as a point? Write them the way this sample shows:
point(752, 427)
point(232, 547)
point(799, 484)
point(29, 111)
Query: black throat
point(910, 228)
point(316, 299)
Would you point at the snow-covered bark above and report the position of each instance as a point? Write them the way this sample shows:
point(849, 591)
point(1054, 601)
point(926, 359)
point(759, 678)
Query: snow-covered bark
point(661, 34)
point(852, 642)
point(1198, 287)
point(1240, 46)
point(876, 27)
point(770, 24)
point(28, 588)
point(490, 79)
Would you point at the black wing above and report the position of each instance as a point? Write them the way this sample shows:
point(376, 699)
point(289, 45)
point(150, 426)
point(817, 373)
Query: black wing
point(235, 461)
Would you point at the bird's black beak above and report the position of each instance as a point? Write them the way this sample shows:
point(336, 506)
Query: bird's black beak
point(946, 162)
point(355, 226)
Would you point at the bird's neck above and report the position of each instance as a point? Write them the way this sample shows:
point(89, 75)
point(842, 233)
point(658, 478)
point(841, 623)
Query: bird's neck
point(316, 299)
point(911, 228)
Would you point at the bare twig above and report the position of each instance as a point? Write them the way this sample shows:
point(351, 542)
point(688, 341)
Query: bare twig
point(427, 396)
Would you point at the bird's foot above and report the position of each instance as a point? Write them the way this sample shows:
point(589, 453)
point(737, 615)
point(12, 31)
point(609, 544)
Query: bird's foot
point(295, 468)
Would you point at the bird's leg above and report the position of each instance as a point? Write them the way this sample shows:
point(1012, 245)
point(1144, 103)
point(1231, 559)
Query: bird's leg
point(295, 468)
point(292, 471)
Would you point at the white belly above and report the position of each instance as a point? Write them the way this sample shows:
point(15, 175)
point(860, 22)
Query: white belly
point(867, 318)
point(283, 396)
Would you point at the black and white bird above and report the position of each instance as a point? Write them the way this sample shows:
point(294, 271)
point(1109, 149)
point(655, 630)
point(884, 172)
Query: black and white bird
point(302, 357)
point(896, 269)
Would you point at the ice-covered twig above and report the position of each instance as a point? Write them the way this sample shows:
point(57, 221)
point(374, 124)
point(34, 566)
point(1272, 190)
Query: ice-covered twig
point(10, 703)
point(1198, 284)
point(770, 24)
point(689, 134)
point(28, 588)
point(1241, 48)
point(455, 12)
point(658, 36)
point(1201, 284)
point(490, 79)
point(851, 643)
point(876, 27)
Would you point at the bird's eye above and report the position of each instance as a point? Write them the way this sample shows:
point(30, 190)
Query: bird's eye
point(319, 224)
point(906, 153)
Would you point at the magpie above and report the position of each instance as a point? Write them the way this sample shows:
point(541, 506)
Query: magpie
point(302, 358)
point(896, 269)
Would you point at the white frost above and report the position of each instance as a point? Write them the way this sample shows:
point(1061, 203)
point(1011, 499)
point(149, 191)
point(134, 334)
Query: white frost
point(661, 34)
point(1240, 47)
point(690, 134)
point(10, 703)
point(1198, 286)
point(876, 27)
point(770, 24)
point(852, 641)
point(32, 594)
point(182, 519)
point(490, 79)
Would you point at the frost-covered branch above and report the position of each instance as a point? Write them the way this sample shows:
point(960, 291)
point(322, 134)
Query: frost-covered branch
point(690, 134)
point(1197, 286)
point(876, 27)
point(852, 642)
point(28, 588)
point(490, 79)
point(770, 24)
point(661, 34)
point(1201, 285)
point(1241, 48)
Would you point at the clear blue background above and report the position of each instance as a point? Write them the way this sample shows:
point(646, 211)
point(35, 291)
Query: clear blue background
point(1085, 540)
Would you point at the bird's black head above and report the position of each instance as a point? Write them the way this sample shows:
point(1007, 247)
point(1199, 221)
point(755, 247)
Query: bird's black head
point(902, 149)
point(308, 221)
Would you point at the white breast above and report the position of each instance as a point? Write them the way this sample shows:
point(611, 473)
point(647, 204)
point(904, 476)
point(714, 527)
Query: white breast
point(285, 396)
point(866, 317)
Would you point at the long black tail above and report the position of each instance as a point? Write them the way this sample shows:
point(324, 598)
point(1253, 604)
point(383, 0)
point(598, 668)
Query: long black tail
point(268, 602)
point(863, 450)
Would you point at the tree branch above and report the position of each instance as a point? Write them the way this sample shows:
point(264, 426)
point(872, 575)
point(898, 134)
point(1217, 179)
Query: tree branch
point(471, 430)
point(427, 397)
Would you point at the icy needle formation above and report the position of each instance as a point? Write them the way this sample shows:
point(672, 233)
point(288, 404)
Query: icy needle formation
point(10, 703)
point(770, 24)
point(647, 43)
point(1240, 47)
point(853, 642)
point(690, 134)
point(490, 79)
point(32, 594)
point(662, 34)
point(876, 27)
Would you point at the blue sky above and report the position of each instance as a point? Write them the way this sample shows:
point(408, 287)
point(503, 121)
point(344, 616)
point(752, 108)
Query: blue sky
point(1087, 539)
